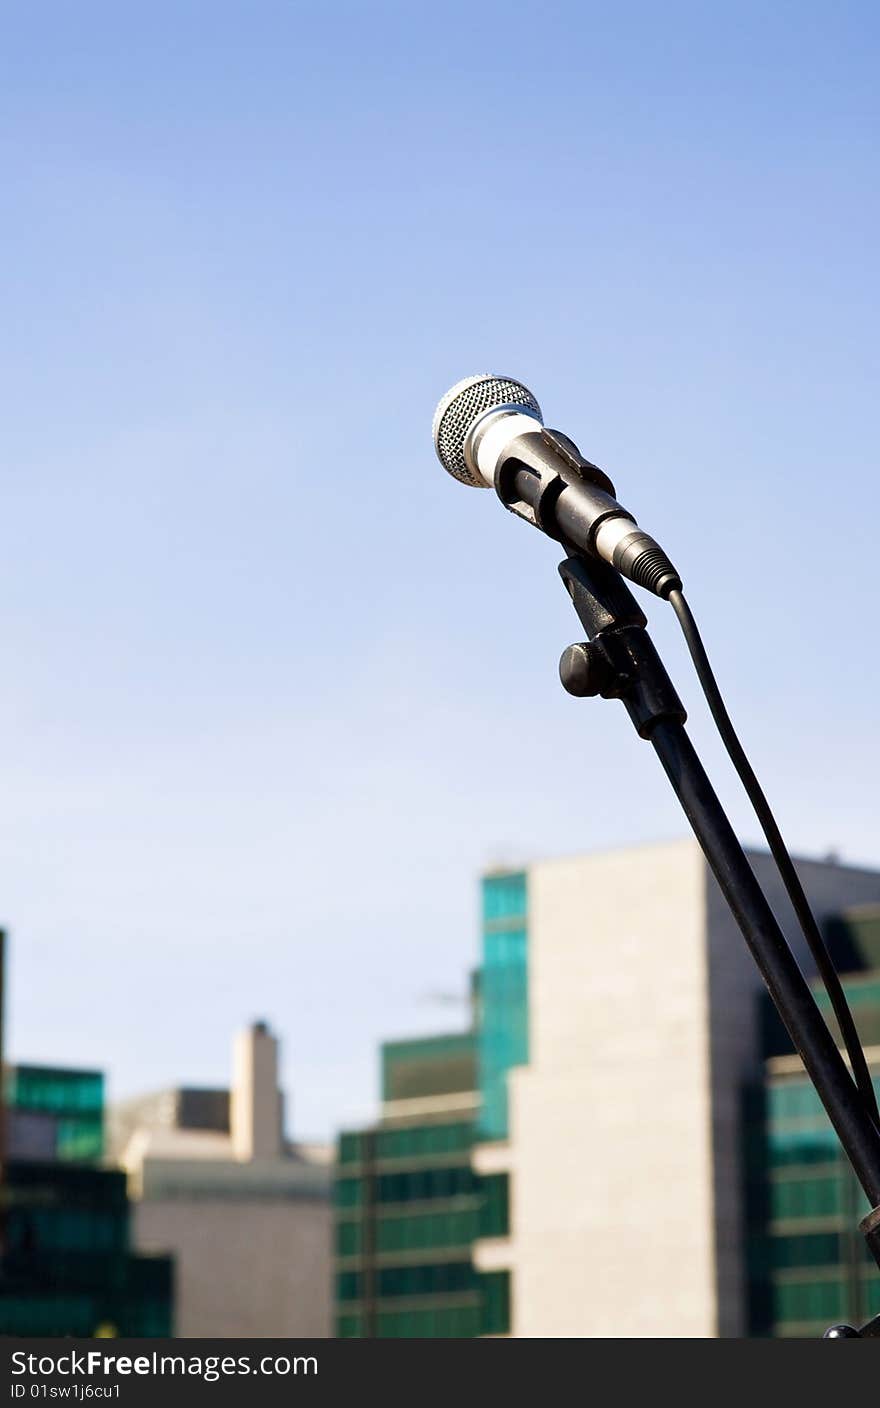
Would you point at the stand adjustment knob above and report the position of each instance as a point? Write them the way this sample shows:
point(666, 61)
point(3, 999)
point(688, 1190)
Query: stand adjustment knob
point(585, 671)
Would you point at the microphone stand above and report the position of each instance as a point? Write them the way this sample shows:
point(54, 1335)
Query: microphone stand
point(619, 661)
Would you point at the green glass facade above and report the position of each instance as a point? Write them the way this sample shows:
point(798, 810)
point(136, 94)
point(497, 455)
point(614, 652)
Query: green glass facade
point(409, 1207)
point(72, 1100)
point(426, 1066)
point(808, 1263)
point(68, 1267)
point(503, 988)
point(854, 939)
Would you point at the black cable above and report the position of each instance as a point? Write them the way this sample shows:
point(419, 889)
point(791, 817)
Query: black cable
point(779, 852)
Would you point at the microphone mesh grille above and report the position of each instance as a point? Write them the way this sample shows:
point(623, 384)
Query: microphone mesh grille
point(462, 405)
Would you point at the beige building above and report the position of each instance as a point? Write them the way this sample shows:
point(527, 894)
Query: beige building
point(624, 1125)
point(245, 1213)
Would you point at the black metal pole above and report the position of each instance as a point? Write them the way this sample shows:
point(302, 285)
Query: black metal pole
point(775, 960)
point(622, 663)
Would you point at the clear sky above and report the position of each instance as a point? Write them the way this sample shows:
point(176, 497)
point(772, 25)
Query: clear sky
point(275, 687)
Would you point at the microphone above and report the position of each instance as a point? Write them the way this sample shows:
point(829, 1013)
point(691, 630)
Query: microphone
point(489, 433)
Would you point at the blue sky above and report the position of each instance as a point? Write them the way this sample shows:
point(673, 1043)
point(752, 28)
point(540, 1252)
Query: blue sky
point(275, 687)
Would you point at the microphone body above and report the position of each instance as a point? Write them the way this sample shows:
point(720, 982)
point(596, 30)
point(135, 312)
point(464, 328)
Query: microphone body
point(488, 433)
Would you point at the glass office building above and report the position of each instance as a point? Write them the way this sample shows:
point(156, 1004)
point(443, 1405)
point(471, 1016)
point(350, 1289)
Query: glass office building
point(67, 1267)
point(56, 1112)
point(809, 1266)
point(409, 1205)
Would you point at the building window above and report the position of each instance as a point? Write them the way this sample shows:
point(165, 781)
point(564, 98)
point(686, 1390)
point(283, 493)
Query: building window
point(440, 1278)
point(503, 1036)
point(806, 1197)
point(422, 1185)
point(349, 1238)
point(494, 1209)
point(423, 1141)
point(349, 1192)
point(440, 1322)
point(349, 1285)
point(495, 1318)
point(422, 1230)
point(809, 1249)
point(800, 1302)
point(350, 1148)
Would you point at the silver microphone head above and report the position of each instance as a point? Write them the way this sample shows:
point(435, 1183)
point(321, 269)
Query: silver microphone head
point(462, 406)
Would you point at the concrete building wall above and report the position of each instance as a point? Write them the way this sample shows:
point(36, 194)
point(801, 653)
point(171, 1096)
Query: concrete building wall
point(246, 1215)
point(244, 1268)
point(610, 1122)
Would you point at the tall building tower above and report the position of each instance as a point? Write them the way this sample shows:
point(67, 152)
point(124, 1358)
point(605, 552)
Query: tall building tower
point(409, 1206)
point(69, 1265)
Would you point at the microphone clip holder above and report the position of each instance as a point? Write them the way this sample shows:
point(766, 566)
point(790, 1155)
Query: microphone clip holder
point(619, 661)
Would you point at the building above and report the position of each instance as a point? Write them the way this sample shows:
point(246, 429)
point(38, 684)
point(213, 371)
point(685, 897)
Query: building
point(409, 1205)
point(245, 1212)
point(809, 1265)
point(68, 1266)
point(620, 1039)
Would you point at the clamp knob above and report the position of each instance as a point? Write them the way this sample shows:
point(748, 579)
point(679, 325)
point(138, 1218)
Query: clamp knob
point(585, 671)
